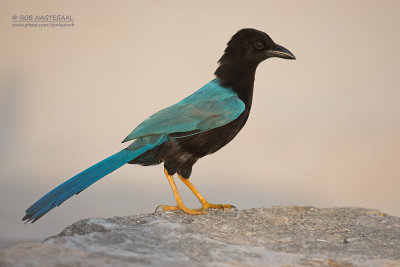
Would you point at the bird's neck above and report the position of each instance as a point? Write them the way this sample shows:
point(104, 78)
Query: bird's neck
point(238, 77)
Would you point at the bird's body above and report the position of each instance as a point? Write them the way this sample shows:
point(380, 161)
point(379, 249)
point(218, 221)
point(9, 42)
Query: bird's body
point(182, 149)
point(179, 135)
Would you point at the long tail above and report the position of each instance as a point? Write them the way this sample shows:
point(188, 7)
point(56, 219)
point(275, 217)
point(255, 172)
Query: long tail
point(81, 181)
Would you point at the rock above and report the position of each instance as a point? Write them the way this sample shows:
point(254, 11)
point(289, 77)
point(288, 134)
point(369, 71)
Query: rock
point(43, 254)
point(277, 236)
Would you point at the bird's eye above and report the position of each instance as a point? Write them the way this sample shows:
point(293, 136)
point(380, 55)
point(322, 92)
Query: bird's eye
point(259, 45)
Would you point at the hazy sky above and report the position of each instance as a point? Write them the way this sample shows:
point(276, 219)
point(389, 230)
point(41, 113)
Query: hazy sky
point(324, 130)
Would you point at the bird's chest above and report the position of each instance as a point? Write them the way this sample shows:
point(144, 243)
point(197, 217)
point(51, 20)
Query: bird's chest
point(211, 141)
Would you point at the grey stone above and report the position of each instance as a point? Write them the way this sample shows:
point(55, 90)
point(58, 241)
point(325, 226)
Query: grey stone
point(277, 236)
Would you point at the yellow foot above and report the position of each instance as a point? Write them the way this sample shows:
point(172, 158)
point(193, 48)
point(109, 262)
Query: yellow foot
point(183, 208)
point(207, 205)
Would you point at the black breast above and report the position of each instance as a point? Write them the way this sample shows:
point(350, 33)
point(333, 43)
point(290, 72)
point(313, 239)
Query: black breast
point(210, 141)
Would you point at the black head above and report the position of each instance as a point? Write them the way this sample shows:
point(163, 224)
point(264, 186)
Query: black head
point(253, 46)
point(246, 49)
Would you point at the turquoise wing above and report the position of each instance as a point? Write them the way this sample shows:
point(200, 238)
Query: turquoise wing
point(210, 107)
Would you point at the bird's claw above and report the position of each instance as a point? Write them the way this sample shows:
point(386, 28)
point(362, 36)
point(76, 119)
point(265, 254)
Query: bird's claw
point(234, 208)
point(207, 205)
point(182, 208)
point(159, 206)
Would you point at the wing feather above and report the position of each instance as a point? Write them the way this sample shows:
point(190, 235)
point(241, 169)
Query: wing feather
point(210, 107)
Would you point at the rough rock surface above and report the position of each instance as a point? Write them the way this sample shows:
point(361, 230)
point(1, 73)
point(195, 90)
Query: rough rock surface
point(277, 236)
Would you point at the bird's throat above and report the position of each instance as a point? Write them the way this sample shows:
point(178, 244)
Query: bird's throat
point(239, 77)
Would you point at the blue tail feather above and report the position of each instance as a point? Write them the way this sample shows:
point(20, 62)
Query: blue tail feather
point(83, 180)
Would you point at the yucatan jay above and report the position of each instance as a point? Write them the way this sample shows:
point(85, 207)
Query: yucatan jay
point(180, 134)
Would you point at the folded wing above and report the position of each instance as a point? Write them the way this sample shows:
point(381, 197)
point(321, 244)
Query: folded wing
point(210, 107)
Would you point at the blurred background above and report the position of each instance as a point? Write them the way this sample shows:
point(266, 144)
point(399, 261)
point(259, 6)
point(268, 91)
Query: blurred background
point(324, 129)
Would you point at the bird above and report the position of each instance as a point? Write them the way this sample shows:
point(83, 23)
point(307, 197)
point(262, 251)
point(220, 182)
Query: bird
point(179, 135)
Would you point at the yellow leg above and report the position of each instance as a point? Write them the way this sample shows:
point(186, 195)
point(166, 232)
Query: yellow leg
point(203, 201)
point(179, 203)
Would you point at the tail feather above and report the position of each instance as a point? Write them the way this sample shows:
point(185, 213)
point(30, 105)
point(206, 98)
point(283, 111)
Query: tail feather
point(77, 184)
point(81, 181)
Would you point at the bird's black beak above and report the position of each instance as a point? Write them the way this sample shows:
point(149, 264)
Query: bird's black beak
point(280, 51)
